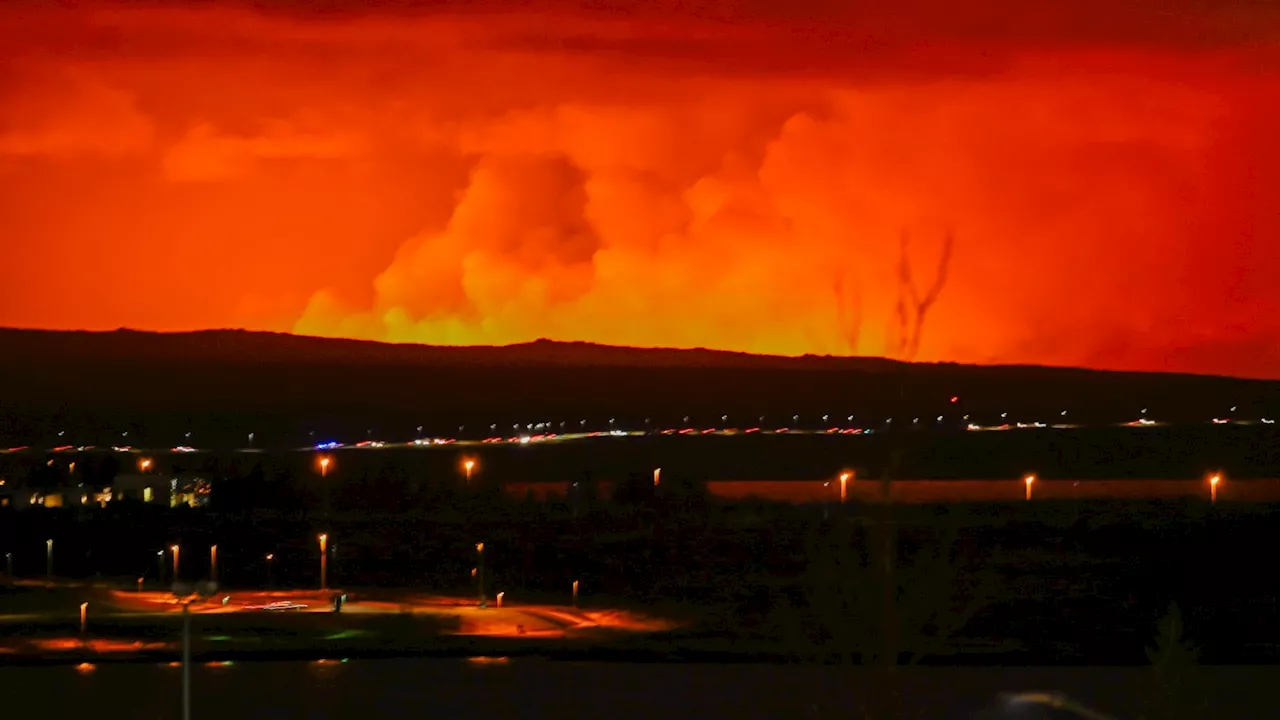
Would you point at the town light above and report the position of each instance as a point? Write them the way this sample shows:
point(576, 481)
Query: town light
point(1029, 481)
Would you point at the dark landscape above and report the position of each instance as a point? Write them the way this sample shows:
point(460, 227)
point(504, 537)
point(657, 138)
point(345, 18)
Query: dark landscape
point(1051, 574)
point(294, 391)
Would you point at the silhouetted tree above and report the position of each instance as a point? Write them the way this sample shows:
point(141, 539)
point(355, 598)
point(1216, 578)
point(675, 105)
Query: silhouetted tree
point(1175, 690)
point(868, 603)
point(851, 616)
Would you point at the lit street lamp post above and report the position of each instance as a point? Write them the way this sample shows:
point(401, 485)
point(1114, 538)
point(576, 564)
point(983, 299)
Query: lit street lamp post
point(160, 567)
point(845, 477)
point(186, 661)
point(270, 557)
point(176, 556)
point(324, 561)
point(1213, 489)
point(480, 573)
point(48, 560)
point(468, 466)
point(213, 563)
point(1029, 481)
point(8, 567)
point(325, 462)
point(575, 593)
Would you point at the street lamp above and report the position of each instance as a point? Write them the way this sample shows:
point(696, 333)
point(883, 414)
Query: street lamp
point(1213, 488)
point(176, 556)
point(845, 477)
point(144, 465)
point(325, 462)
point(575, 593)
point(468, 466)
point(480, 573)
point(270, 557)
point(213, 563)
point(324, 561)
point(48, 559)
point(657, 472)
point(1029, 481)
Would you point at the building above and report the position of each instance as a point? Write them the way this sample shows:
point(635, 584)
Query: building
point(172, 490)
point(165, 490)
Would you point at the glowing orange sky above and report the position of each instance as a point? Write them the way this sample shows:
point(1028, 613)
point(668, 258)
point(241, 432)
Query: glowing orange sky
point(730, 175)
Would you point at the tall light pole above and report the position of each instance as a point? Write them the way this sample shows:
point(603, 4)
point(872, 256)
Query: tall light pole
point(1029, 481)
point(480, 573)
point(175, 550)
point(48, 559)
point(845, 477)
point(8, 567)
point(213, 563)
point(468, 466)
point(186, 661)
point(657, 474)
point(324, 561)
point(270, 557)
point(1213, 488)
point(325, 462)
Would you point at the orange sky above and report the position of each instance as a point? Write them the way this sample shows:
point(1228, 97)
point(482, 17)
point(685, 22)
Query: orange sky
point(724, 174)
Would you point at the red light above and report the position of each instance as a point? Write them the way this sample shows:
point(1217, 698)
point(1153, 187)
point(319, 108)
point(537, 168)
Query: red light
point(955, 398)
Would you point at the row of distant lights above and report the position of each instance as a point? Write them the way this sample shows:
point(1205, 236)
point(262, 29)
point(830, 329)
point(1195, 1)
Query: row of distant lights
point(541, 426)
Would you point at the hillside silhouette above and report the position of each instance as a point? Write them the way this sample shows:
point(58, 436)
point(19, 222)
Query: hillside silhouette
point(230, 377)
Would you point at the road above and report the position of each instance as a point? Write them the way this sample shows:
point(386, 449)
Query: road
point(513, 619)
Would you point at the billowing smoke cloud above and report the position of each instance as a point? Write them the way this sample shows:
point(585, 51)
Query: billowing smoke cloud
point(682, 181)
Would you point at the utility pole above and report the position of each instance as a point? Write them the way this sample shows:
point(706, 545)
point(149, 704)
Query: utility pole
point(186, 661)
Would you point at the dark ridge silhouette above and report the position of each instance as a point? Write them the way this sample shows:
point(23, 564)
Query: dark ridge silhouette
point(243, 345)
point(255, 346)
point(231, 379)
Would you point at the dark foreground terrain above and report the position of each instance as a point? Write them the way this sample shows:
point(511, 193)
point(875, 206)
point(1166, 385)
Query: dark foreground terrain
point(404, 689)
point(1028, 582)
